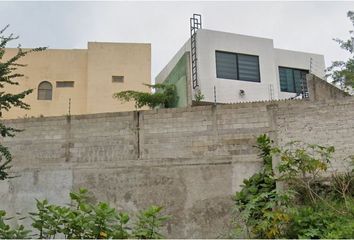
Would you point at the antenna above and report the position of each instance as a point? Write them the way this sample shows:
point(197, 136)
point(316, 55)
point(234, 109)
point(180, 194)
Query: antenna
point(69, 112)
point(214, 95)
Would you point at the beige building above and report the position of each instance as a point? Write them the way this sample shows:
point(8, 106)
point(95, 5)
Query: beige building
point(87, 78)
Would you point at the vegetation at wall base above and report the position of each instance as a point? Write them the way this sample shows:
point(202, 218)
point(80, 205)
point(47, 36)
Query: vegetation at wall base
point(198, 96)
point(83, 220)
point(165, 95)
point(7, 232)
point(149, 223)
point(9, 75)
point(313, 202)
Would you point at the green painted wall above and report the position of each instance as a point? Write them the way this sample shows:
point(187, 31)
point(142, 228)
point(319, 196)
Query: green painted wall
point(178, 77)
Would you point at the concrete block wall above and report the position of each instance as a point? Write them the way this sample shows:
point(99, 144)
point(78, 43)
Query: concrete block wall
point(103, 138)
point(320, 89)
point(327, 123)
point(208, 131)
point(190, 160)
point(78, 139)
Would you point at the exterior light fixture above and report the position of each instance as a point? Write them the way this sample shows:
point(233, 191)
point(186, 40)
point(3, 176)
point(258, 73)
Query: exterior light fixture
point(242, 93)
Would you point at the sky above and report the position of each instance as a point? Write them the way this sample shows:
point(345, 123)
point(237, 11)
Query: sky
point(299, 26)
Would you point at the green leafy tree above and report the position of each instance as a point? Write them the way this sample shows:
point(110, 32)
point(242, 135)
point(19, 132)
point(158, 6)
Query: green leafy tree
point(165, 96)
point(9, 75)
point(342, 72)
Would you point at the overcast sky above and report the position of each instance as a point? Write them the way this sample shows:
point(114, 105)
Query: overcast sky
point(301, 26)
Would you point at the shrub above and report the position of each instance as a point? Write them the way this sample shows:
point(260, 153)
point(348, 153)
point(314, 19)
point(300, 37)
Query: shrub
point(314, 204)
point(149, 222)
point(6, 232)
point(83, 220)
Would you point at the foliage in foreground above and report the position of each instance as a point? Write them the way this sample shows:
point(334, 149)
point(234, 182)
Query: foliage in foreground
point(83, 220)
point(9, 76)
point(165, 96)
point(7, 232)
point(313, 204)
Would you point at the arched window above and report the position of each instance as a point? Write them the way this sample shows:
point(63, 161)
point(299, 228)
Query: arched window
point(45, 91)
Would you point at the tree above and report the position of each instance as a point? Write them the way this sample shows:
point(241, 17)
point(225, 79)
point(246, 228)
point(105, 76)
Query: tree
point(342, 72)
point(9, 75)
point(165, 95)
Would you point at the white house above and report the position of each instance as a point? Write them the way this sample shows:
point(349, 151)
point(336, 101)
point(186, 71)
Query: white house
point(237, 68)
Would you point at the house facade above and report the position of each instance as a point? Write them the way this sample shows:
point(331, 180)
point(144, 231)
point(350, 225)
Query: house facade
point(81, 81)
point(237, 68)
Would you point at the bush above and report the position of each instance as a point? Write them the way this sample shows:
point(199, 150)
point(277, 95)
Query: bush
point(83, 220)
point(311, 206)
point(262, 210)
point(148, 224)
point(6, 232)
point(320, 222)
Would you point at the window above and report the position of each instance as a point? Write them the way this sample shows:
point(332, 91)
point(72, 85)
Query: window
point(118, 79)
point(45, 91)
point(292, 80)
point(65, 84)
point(226, 65)
point(237, 66)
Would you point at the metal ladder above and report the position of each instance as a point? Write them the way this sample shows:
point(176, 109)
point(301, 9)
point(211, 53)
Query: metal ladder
point(195, 24)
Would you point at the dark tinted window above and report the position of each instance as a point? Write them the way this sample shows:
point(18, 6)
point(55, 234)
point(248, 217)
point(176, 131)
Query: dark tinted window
point(292, 80)
point(226, 65)
point(248, 68)
point(237, 66)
